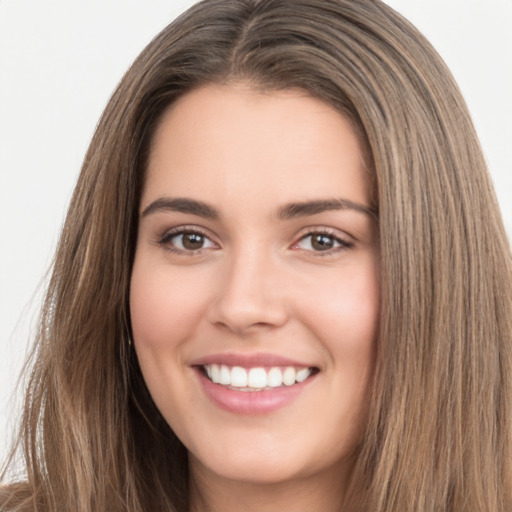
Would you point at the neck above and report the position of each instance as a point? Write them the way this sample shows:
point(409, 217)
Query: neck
point(323, 492)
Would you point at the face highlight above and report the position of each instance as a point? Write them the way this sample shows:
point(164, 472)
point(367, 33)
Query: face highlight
point(255, 292)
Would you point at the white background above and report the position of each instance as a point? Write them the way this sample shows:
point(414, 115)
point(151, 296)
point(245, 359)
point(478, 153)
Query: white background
point(59, 63)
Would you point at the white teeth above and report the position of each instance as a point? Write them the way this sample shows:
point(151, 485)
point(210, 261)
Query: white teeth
point(303, 374)
point(255, 378)
point(289, 376)
point(274, 377)
point(215, 370)
point(225, 375)
point(238, 377)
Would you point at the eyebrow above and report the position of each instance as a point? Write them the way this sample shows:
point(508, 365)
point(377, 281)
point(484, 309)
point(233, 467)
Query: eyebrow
point(307, 208)
point(286, 212)
point(182, 205)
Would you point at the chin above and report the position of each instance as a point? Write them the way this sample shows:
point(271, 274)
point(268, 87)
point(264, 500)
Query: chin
point(268, 463)
point(251, 468)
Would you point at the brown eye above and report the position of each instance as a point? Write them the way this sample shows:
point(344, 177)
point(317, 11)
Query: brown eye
point(186, 242)
point(192, 241)
point(321, 242)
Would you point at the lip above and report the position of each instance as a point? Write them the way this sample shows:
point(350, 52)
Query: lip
point(249, 360)
point(250, 402)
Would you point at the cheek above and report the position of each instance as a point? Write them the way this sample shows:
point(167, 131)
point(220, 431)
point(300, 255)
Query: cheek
point(164, 308)
point(164, 314)
point(344, 313)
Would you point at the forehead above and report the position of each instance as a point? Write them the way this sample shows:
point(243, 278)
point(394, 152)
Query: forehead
point(227, 141)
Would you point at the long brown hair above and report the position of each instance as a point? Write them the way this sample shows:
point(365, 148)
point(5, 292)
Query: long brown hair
point(439, 433)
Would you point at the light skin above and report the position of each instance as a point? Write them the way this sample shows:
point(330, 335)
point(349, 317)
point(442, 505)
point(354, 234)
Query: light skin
point(256, 236)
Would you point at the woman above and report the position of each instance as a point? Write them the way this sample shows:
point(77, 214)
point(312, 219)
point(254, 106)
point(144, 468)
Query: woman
point(283, 282)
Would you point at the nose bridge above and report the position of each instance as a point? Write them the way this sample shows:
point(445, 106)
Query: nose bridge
point(249, 294)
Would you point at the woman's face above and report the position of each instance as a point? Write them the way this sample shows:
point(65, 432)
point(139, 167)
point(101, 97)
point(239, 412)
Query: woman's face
point(255, 289)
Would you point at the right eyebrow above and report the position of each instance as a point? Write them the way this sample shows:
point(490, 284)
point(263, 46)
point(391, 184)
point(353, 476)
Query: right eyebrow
point(307, 208)
point(182, 205)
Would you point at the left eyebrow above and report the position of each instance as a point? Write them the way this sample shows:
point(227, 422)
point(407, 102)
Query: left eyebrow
point(182, 205)
point(307, 208)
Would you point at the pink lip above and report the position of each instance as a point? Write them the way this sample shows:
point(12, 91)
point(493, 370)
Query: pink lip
point(250, 402)
point(248, 360)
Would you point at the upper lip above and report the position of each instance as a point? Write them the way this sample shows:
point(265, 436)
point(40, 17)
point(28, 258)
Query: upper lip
point(248, 360)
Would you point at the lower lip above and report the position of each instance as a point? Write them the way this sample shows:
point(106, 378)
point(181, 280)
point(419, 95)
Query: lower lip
point(251, 402)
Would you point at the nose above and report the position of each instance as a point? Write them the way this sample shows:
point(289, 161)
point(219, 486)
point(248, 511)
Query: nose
point(250, 295)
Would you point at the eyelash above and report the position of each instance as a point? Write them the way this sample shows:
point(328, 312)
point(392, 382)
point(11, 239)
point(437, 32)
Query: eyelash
point(165, 241)
point(344, 245)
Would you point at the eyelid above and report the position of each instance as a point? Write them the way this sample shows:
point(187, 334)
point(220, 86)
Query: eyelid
point(346, 241)
point(165, 239)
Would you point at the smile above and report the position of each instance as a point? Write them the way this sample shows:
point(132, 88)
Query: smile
point(256, 378)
